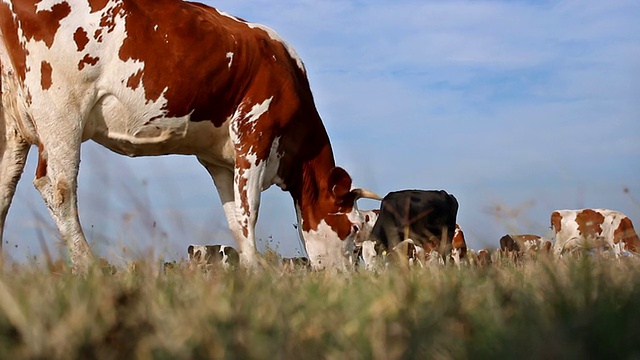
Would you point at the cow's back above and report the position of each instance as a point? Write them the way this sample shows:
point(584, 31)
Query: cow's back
point(586, 228)
point(138, 72)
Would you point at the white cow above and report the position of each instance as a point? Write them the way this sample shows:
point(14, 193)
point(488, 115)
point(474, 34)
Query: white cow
point(368, 220)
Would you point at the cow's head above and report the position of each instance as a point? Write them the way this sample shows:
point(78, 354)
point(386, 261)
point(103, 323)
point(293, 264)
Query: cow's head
point(371, 255)
point(329, 228)
point(197, 254)
point(556, 227)
point(626, 234)
point(368, 219)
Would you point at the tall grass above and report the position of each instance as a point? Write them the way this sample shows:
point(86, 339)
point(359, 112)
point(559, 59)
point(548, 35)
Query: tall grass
point(578, 308)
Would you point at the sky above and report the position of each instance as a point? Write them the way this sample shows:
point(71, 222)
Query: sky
point(517, 108)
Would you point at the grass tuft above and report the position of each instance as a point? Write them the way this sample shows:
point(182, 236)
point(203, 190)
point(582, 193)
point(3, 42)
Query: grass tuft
point(570, 309)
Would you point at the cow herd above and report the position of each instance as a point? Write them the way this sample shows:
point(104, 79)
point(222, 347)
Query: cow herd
point(145, 78)
point(419, 228)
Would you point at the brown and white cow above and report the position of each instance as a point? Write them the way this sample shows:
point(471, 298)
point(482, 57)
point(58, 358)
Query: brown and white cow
point(524, 244)
point(163, 77)
point(458, 245)
point(591, 229)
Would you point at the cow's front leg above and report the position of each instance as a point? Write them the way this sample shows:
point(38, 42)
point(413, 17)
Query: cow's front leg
point(247, 186)
point(223, 178)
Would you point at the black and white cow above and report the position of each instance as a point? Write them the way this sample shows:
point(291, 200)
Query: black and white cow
point(427, 217)
point(204, 255)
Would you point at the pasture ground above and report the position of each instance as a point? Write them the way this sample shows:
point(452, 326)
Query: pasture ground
point(571, 309)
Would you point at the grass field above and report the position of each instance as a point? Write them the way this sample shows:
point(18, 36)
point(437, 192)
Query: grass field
point(570, 309)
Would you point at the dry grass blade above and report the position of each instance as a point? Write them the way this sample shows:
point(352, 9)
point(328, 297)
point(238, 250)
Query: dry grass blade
point(12, 310)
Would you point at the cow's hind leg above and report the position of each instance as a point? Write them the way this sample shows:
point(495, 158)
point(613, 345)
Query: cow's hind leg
point(13, 152)
point(57, 179)
point(243, 231)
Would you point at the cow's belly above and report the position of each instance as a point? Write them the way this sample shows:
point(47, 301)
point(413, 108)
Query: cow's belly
point(132, 134)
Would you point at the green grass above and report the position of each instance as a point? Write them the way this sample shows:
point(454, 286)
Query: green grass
point(572, 309)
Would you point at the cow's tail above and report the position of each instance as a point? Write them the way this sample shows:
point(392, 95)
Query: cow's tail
point(3, 124)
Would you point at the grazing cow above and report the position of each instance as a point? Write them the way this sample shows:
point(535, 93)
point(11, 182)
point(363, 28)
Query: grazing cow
point(428, 217)
point(161, 77)
point(592, 229)
point(525, 243)
point(224, 255)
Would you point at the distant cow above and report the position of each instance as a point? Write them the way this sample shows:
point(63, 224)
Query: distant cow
point(372, 256)
point(296, 263)
point(204, 255)
point(369, 218)
point(458, 245)
point(525, 243)
point(408, 252)
point(484, 258)
point(592, 229)
point(366, 255)
point(364, 250)
point(147, 78)
point(428, 217)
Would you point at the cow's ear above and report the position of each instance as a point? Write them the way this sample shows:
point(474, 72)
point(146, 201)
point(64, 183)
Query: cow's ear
point(339, 182)
point(190, 250)
point(556, 221)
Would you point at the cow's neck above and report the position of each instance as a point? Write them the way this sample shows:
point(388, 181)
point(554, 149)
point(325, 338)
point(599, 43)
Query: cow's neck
point(321, 232)
point(311, 193)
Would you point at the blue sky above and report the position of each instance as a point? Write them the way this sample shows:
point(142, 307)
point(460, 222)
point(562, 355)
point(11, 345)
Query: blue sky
point(517, 108)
